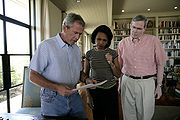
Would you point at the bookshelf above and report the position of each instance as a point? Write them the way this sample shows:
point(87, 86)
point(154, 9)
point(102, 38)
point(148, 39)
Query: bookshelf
point(166, 28)
point(121, 29)
point(169, 35)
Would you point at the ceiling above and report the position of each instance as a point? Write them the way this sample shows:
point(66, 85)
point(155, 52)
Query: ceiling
point(96, 12)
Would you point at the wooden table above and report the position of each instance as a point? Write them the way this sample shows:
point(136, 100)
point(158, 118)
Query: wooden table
point(10, 116)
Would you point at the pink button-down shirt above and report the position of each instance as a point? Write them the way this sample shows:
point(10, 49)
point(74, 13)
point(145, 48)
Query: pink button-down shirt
point(141, 57)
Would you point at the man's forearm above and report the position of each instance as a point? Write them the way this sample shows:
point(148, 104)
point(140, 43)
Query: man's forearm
point(160, 71)
point(41, 81)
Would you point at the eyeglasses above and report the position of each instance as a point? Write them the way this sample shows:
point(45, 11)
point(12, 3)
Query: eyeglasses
point(137, 28)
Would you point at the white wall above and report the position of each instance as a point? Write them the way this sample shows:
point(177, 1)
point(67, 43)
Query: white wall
point(55, 19)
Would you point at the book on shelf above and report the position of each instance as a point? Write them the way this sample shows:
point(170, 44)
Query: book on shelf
point(169, 30)
point(169, 37)
point(121, 25)
point(166, 24)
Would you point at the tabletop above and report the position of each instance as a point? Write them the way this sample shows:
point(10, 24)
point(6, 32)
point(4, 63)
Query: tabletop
point(12, 116)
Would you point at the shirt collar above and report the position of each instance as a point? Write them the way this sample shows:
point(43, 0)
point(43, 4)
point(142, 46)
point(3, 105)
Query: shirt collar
point(61, 42)
point(138, 39)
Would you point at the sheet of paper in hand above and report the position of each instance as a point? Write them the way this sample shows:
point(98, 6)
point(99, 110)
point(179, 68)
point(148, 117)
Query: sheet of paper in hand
point(90, 85)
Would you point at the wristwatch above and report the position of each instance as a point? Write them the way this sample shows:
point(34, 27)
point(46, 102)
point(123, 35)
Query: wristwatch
point(160, 85)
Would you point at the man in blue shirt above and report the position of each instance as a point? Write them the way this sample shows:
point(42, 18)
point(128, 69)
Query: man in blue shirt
point(56, 67)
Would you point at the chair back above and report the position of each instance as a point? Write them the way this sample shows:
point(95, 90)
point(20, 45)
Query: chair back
point(31, 92)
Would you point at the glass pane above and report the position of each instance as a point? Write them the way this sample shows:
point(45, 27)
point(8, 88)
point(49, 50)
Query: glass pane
point(3, 102)
point(17, 39)
point(17, 68)
point(1, 75)
point(1, 38)
point(16, 98)
point(1, 7)
point(17, 9)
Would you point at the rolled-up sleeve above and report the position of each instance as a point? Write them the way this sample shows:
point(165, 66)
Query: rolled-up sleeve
point(40, 59)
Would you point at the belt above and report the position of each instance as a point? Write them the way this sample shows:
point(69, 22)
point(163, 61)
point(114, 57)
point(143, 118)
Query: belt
point(141, 77)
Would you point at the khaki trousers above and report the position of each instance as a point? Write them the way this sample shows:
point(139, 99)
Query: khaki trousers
point(137, 96)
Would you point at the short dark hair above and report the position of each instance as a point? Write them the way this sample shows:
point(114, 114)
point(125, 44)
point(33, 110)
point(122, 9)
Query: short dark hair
point(71, 18)
point(104, 29)
point(140, 18)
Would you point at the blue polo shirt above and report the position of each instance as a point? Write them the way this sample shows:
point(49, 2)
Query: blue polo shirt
point(58, 61)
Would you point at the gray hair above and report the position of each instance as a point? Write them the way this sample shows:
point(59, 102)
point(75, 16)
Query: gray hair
point(140, 18)
point(71, 18)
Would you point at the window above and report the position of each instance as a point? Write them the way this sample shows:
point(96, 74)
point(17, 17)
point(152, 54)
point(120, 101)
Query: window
point(17, 39)
point(17, 9)
point(1, 75)
point(1, 38)
point(3, 102)
point(15, 49)
point(1, 7)
point(17, 68)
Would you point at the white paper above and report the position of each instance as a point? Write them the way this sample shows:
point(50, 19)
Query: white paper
point(89, 85)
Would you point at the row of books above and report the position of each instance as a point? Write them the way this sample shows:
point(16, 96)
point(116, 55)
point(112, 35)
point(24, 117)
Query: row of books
point(118, 38)
point(172, 30)
point(168, 45)
point(122, 32)
point(173, 53)
point(168, 24)
point(171, 45)
point(121, 25)
point(169, 37)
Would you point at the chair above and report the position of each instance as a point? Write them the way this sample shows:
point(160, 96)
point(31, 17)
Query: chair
point(31, 102)
point(83, 95)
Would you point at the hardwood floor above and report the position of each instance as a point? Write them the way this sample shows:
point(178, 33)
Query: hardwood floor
point(167, 107)
point(168, 100)
point(170, 97)
point(166, 113)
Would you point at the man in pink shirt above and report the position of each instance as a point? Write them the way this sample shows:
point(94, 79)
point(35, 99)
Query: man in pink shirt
point(141, 58)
